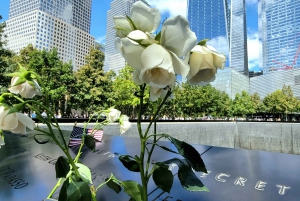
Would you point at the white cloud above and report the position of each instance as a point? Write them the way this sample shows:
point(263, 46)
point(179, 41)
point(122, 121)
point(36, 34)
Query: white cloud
point(101, 39)
point(254, 49)
point(220, 44)
point(174, 7)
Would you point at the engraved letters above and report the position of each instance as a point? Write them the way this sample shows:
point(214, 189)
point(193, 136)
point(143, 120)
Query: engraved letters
point(282, 189)
point(219, 177)
point(259, 185)
point(7, 174)
point(240, 181)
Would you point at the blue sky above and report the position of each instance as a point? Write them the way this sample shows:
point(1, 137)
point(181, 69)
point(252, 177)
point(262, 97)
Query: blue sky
point(173, 7)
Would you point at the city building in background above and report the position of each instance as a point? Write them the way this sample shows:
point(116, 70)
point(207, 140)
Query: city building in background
point(210, 19)
point(225, 25)
point(231, 81)
point(238, 37)
point(274, 80)
point(61, 24)
point(279, 32)
point(113, 59)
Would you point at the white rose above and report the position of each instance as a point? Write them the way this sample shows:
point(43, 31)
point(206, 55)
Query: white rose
point(124, 124)
point(136, 77)
point(204, 62)
point(144, 18)
point(156, 93)
point(130, 49)
point(25, 89)
point(15, 122)
point(113, 114)
point(159, 66)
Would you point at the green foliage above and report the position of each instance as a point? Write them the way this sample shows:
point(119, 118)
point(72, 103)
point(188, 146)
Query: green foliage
point(129, 163)
point(243, 105)
point(93, 86)
point(123, 91)
point(186, 176)
point(281, 101)
point(75, 191)
point(163, 177)
point(62, 167)
point(5, 59)
point(56, 75)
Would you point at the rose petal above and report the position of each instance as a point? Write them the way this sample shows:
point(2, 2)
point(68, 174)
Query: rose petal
point(177, 37)
point(15, 89)
point(147, 19)
point(9, 121)
point(136, 77)
point(157, 69)
point(123, 26)
point(156, 55)
point(28, 91)
point(25, 120)
point(180, 66)
point(132, 53)
point(19, 129)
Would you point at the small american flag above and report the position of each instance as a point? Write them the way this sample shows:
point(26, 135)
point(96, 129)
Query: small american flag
point(76, 135)
point(97, 134)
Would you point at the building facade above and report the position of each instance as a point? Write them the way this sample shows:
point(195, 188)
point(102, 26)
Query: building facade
point(210, 19)
point(61, 24)
point(279, 32)
point(238, 53)
point(113, 59)
point(231, 81)
point(274, 80)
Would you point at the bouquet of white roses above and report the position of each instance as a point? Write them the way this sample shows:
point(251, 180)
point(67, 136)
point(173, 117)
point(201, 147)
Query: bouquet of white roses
point(157, 60)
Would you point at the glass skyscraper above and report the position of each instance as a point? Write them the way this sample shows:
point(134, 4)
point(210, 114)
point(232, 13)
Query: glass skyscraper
point(225, 26)
point(238, 37)
point(47, 24)
point(113, 59)
point(279, 31)
point(210, 19)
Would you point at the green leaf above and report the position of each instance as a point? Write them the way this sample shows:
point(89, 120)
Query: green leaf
point(89, 141)
point(129, 163)
point(12, 110)
point(21, 80)
point(75, 191)
point(113, 183)
point(85, 173)
point(15, 74)
point(64, 190)
point(203, 42)
point(186, 176)
point(163, 177)
point(166, 148)
point(133, 189)
point(62, 167)
point(190, 154)
point(157, 37)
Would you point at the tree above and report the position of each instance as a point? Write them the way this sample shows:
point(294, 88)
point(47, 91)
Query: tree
point(243, 105)
point(257, 103)
point(56, 75)
point(124, 91)
point(5, 55)
point(94, 87)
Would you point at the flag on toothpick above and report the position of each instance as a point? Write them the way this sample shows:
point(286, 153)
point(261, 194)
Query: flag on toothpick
point(76, 136)
point(97, 134)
